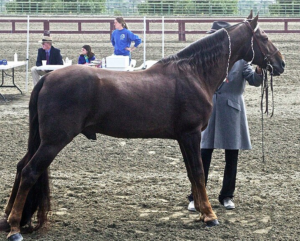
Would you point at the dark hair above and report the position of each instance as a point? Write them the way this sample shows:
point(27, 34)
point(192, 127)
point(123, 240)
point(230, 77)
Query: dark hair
point(89, 50)
point(122, 22)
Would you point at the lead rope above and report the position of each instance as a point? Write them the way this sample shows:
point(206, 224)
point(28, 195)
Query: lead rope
point(265, 91)
point(262, 112)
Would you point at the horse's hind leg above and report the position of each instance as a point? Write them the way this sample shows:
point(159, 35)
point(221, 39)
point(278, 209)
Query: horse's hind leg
point(14, 191)
point(29, 176)
point(4, 226)
point(190, 148)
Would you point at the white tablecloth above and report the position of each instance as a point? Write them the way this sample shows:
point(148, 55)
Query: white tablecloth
point(12, 64)
point(51, 67)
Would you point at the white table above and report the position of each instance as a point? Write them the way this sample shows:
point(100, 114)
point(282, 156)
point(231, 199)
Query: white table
point(10, 65)
point(52, 67)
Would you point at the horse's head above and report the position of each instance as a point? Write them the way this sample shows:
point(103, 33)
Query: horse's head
point(262, 51)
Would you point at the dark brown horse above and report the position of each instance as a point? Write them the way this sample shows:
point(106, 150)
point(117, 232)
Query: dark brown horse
point(171, 100)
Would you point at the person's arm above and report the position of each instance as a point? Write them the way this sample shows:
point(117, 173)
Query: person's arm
point(59, 60)
point(80, 60)
point(113, 40)
point(92, 58)
point(136, 39)
point(39, 58)
point(254, 77)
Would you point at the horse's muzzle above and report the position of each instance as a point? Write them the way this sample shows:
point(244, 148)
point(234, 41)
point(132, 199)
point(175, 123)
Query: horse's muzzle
point(277, 70)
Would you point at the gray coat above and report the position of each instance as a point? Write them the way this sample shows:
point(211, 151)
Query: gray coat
point(228, 126)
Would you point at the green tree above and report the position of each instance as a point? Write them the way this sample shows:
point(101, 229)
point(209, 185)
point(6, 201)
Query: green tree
point(189, 7)
point(285, 7)
point(56, 6)
point(157, 7)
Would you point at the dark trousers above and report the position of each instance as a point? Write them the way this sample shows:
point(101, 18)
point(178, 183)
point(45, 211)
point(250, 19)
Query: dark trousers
point(231, 159)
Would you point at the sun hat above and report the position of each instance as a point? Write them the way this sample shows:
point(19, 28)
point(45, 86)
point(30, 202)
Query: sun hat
point(218, 25)
point(46, 39)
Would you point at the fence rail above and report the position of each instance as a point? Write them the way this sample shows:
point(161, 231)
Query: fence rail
point(204, 8)
point(11, 25)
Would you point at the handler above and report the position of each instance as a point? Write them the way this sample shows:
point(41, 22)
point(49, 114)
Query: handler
point(228, 127)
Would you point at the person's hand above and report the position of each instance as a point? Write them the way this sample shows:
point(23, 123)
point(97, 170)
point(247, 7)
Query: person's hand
point(130, 49)
point(258, 70)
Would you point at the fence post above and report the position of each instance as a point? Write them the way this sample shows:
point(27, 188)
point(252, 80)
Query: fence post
point(79, 26)
point(181, 30)
point(46, 28)
point(285, 25)
point(13, 26)
point(112, 27)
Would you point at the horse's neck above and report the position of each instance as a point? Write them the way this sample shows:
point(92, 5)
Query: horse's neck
point(220, 70)
point(238, 44)
point(235, 46)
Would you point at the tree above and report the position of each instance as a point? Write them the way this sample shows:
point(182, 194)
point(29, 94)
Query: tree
point(285, 7)
point(189, 7)
point(56, 6)
point(157, 7)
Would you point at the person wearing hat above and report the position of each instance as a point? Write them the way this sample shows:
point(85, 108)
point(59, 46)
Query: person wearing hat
point(50, 54)
point(228, 126)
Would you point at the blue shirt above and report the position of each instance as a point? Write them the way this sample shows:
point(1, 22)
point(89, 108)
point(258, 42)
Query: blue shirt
point(82, 60)
point(122, 39)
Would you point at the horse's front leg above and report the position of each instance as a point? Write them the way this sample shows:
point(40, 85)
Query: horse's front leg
point(190, 148)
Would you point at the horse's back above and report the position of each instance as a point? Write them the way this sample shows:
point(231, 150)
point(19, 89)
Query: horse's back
point(125, 104)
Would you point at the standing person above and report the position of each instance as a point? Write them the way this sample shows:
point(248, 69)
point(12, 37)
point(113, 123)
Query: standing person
point(49, 53)
point(122, 37)
point(86, 55)
point(228, 127)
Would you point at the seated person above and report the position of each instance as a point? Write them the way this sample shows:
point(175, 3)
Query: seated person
point(86, 55)
point(49, 53)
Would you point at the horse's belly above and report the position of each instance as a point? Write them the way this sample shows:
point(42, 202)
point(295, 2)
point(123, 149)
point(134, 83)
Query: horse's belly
point(134, 127)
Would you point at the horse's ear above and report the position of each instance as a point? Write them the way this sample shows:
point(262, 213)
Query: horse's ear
point(253, 23)
point(250, 15)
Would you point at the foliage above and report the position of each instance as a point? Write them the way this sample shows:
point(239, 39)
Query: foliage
point(285, 7)
point(157, 7)
point(189, 7)
point(56, 6)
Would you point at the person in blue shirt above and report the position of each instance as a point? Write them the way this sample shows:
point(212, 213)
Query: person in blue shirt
point(86, 55)
point(122, 37)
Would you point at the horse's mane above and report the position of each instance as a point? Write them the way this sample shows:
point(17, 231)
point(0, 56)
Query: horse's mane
point(203, 53)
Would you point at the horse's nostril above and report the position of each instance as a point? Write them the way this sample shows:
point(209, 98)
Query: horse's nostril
point(283, 64)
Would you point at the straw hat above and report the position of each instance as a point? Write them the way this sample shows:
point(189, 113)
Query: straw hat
point(46, 39)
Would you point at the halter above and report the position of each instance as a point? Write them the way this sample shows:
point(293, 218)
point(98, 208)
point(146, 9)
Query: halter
point(266, 56)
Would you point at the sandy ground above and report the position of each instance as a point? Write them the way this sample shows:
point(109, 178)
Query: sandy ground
point(122, 189)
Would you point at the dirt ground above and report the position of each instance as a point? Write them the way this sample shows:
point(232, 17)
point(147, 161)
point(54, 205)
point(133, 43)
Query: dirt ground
point(124, 189)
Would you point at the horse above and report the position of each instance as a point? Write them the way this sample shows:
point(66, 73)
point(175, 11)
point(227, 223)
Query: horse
point(170, 100)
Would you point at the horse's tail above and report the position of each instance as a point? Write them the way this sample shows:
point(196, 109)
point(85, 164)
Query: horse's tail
point(38, 198)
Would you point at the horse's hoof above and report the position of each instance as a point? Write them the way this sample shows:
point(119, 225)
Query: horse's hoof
point(15, 237)
point(4, 226)
point(212, 223)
